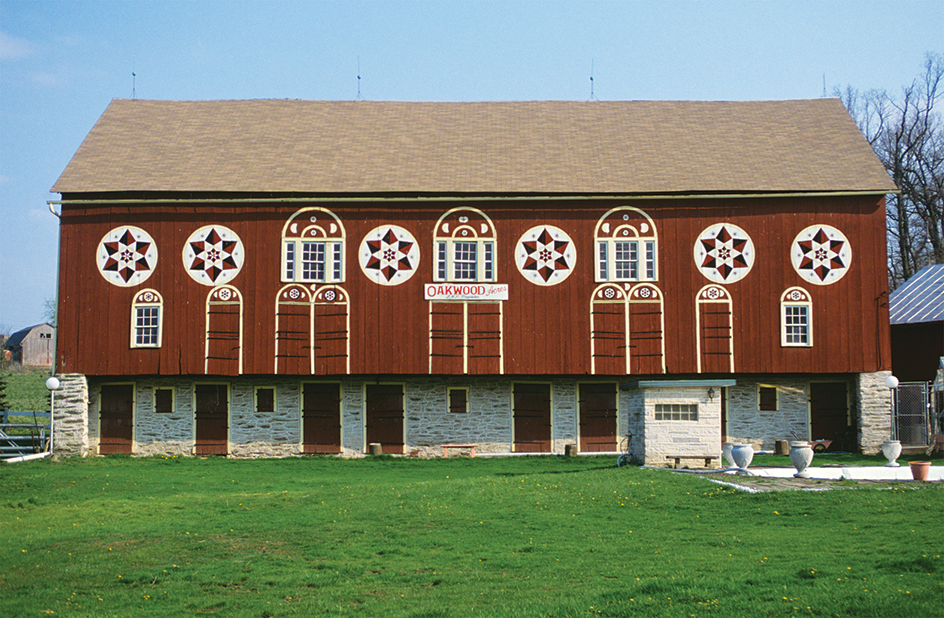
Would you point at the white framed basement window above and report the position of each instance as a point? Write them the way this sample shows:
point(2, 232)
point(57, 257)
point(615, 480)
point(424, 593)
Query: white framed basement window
point(796, 318)
point(147, 315)
point(676, 411)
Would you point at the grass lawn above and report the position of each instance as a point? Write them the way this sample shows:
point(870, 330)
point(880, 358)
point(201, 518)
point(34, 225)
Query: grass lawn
point(496, 537)
point(26, 389)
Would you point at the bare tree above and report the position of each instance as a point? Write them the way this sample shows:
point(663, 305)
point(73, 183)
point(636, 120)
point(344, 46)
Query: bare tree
point(907, 134)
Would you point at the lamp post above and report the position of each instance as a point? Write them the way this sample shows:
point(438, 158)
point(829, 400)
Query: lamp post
point(53, 385)
point(891, 448)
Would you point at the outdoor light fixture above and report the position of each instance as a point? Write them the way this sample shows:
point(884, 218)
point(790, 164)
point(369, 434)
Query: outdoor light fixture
point(53, 385)
point(711, 393)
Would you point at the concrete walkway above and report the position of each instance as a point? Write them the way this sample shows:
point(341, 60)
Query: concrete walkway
point(854, 473)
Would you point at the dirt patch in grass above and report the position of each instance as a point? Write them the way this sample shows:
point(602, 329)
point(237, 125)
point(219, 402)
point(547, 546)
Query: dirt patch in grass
point(759, 484)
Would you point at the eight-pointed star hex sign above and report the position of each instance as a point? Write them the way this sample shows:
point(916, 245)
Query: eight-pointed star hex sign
point(213, 255)
point(389, 255)
point(126, 256)
point(724, 253)
point(545, 255)
point(821, 254)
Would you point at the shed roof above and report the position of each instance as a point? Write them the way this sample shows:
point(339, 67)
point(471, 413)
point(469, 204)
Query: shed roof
point(920, 299)
point(544, 147)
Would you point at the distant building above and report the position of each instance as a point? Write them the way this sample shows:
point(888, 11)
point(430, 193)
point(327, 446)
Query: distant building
point(32, 346)
point(288, 277)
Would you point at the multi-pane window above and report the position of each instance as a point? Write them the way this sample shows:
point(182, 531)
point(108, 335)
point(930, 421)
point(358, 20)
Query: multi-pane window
point(796, 328)
point(146, 319)
point(313, 247)
point(312, 261)
point(465, 260)
point(676, 411)
point(626, 246)
point(147, 326)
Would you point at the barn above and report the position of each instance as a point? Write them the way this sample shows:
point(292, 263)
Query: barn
point(32, 346)
point(275, 277)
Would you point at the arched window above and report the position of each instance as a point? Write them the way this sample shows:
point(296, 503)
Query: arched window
point(464, 246)
point(796, 318)
point(626, 246)
point(313, 247)
point(147, 317)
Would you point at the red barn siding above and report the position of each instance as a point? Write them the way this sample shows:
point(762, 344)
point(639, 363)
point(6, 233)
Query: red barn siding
point(545, 329)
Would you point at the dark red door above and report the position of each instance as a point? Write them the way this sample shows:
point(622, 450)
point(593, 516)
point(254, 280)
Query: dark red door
point(598, 418)
point(212, 418)
point(321, 418)
point(385, 416)
point(116, 416)
point(829, 411)
point(532, 410)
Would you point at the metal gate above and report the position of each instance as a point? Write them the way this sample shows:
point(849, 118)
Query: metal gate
point(912, 414)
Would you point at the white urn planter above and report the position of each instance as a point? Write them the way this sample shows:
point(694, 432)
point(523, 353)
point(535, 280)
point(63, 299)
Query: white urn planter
point(742, 455)
point(891, 449)
point(801, 454)
point(726, 452)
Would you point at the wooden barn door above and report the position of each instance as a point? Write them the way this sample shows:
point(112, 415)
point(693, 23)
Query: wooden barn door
point(484, 332)
point(116, 418)
point(829, 410)
point(385, 416)
point(715, 333)
point(293, 318)
point(224, 332)
point(597, 418)
point(532, 413)
point(447, 337)
point(211, 415)
point(608, 347)
point(332, 338)
point(321, 418)
point(646, 337)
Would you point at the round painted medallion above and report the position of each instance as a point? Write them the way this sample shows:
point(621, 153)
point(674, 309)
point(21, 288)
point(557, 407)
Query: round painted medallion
point(389, 255)
point(545, 255)
point(724, 253)
point(821, 254)
point(213, 255)
point(126, 256)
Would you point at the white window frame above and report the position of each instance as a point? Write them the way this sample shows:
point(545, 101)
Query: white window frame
point(776, 397)
point(795, 298)
point(312, 226)
point(448, 248)
point(147, 300)
point(687, 410)
point(637, 230)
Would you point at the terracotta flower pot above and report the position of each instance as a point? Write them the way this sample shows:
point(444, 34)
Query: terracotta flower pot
point(919, 470)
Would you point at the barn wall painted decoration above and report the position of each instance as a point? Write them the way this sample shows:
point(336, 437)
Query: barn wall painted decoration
point(358, 300)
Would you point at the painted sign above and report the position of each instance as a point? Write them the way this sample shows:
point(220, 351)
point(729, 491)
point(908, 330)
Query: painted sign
point(465, 291)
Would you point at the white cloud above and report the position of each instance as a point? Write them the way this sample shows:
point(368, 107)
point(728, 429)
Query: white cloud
point(12, 47)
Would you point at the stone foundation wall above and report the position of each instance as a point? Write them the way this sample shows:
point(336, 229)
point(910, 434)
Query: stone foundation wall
point(875, 405)
point(428, 423)
point(747, 424)
point(70, 416)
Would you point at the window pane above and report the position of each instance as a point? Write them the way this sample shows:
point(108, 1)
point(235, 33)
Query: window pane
point(627, 261)
point(601, 251)
point(147, 320)
point(464, 262)
point(441, 261)
point(290, 261)
point(338, 261)
point(489, 261)
point(796, 324)
point(313, 261)
point(650, 260)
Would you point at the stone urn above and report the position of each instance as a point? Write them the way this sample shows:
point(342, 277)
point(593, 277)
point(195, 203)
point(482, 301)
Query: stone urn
point(801, 454)
point(891, 449)
point(726, 452)
point(742, 455)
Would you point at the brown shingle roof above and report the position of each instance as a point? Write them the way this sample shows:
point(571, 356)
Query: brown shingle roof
point(550, 147)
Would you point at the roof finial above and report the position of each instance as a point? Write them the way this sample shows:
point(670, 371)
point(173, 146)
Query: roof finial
point(592, 98)
point(133, 76)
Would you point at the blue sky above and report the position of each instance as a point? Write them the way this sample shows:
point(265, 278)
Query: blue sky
point(62, 62)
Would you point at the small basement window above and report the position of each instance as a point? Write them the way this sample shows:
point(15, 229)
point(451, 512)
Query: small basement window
point(676, 411)
point(458, 400)
point(163, 400)
point(265, 399)
point(768, 398)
